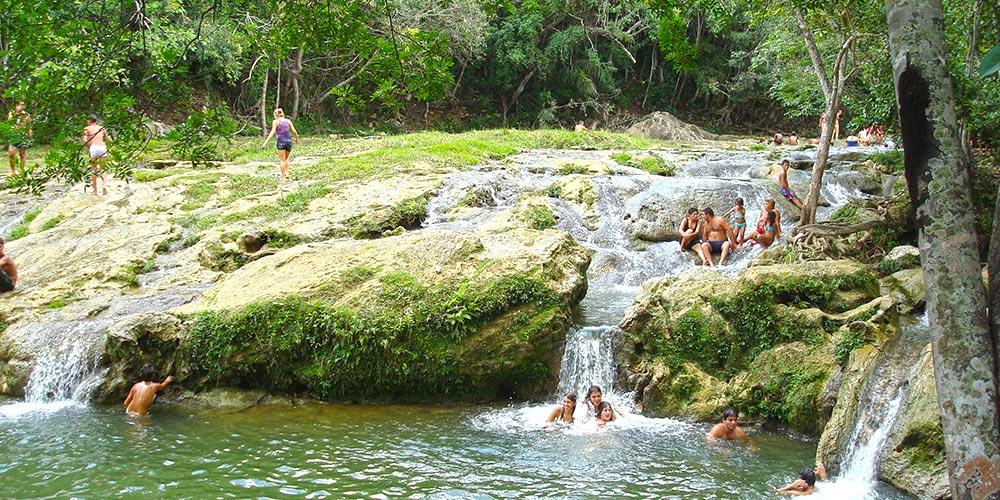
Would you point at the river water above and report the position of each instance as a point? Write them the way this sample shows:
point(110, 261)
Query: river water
point(57, 445)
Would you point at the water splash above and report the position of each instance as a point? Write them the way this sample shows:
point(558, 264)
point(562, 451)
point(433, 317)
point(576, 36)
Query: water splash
point(67, 371)
point(588, 360)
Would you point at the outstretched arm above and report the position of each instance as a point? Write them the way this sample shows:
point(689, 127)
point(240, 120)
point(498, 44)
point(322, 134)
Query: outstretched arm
point(165, 383)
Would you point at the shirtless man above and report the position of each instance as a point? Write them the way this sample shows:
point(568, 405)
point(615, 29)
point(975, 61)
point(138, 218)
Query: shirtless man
point(690, 230)
point(94, 137)
point(783, 186)
point(143, 393)
point(8, 271)
point(22, 137)
point(728, 428)
point(716, 236)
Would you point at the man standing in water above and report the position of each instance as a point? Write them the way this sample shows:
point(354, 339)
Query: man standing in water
point(143, 393)
point(94, 137)
point(8, 271)
point(716, 236)
point(728, 429)
point(22, 135)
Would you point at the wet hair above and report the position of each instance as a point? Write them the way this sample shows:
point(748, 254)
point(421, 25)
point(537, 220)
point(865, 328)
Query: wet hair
point(739, 202)
point(147, 373)
point(692, 210)
point(601, 407)
point(786, 162)
point(279, 113)
point(769, 200)
point(708, 211)
point(771, 217)
point(571, 396)
point(92, 118)
point(809, 476)
point(730, 412)
point(592, 390)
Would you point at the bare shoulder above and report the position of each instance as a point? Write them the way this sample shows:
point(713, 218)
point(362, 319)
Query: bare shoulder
point(718, 431)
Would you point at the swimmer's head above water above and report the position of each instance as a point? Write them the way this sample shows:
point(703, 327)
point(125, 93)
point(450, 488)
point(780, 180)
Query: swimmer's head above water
point(729, 418)
point(147, 373)
point(594, 396)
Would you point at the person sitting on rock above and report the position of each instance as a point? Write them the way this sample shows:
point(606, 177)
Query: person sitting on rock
point(778, 139)
point(717, 237)
point(8, 271)
point(143, 393)
point(728, 429)
point(783, 186)
point(690, 230)
point(564, 413)
point(604, 414)
point(806, 483)
point(792, 140)
point(766, 234)
point(740, 220)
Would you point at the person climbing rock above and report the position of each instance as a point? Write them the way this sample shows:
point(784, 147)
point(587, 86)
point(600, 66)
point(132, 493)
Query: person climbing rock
point(8, 271)
point(94, 139)
point(143, 393)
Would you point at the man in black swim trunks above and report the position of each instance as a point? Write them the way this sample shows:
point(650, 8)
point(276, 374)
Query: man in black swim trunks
point(716, 236)
point(8, 271)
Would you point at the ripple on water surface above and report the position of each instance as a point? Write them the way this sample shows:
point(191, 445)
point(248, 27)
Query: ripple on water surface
point(376, 451)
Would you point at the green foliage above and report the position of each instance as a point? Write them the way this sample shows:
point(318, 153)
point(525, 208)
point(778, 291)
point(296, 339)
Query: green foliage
point(164, 246)
point(538, 217)
point(926, 444)
point(991, 62)
point(277, 238)
point(403, 345)
point(63, 300)
point(573, 168)
point(892, 161)
point(21, 229)
point(650, 163)
point(51, 223)
point(791, 397)
point(129, 273)
point(850, 340)
point(198, 138)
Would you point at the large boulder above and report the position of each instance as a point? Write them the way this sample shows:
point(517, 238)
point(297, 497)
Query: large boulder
point(667, 127)
point(427, 315)
point(763, 341)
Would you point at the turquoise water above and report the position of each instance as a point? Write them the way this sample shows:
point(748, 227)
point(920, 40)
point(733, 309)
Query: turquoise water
point(375, 451)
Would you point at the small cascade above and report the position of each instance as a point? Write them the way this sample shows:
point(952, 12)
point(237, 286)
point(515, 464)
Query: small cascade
point(587, 360)
point(66, 371)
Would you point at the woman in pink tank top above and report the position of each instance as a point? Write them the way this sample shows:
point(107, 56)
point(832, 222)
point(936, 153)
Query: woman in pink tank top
point(283, 131)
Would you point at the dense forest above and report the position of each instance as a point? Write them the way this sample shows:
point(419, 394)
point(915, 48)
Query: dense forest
point(220, 67)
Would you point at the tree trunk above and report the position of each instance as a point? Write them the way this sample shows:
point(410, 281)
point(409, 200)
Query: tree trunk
point(936, 172)
point(817, 60)
point(263, 106)
point(296, 83)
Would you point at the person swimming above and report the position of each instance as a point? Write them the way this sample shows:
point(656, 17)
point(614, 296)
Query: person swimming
point(564, 412)
point(806, 483)
point(143, 393)
point(728, 428)
point(604, 414)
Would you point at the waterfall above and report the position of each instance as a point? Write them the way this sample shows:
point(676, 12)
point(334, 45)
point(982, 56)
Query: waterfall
point(68, 370)
point(587, 360)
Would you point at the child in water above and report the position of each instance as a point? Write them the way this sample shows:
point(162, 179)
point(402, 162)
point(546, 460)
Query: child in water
point(740, 221)
point(604, 414)
point(143, 393)
point(564, 413)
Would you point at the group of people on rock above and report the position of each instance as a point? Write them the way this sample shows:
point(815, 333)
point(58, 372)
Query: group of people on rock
point(96, 139)
point(707, 234)
point(595, 408)
point(869, 136)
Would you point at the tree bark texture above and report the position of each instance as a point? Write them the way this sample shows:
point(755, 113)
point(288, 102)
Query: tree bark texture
point(814, 55)
point(937, 175)
point(297, 83)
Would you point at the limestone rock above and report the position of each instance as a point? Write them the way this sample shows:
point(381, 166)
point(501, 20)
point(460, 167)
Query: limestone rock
point(904, 257)
point(665, 126)
point(154, 338)
point(907, 286)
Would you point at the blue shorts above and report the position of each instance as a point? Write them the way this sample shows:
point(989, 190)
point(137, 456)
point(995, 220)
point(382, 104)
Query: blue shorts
point(787, 193)
point(284, 145)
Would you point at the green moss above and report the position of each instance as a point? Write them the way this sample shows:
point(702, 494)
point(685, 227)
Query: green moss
point(129, 273)
point(650, 163)
point(851, 339)
point(354, 276)
point(757, 147)
point(277, 238)
point(241, 185)
point(408, 214)
point(573, 168)
point(925, 444)
point(538, 217)
point(199, 192)
point(21, 229)
point(553, 191)
point(791, 397)
point(191, 241)
point(51, 223)
point(164, 246)
point(152, 175)
point(63, 300)
point(891, 161)
point(383, 351)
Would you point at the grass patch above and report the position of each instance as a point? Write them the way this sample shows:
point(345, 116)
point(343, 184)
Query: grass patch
point(242, 185)
point(538, 217)
point(51, 223)
point(164, 246)
point(21, 229)
point(650, 163)
point(408, 214)
point(573, 168)
point(129, 273)
point(277, 238)
point(142, 175)
point(198, 193)
point(63, 300)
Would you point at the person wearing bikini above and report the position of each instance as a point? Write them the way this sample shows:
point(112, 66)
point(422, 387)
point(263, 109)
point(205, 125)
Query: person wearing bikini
point(8, 271)
point(739, 221)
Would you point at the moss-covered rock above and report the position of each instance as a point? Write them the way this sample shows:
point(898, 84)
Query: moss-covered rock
point(703, 341)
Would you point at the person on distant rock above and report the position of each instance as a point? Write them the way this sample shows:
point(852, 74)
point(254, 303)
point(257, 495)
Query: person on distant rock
point(604, 414)
point(836, 125)
point(564, 412)
point(783, 186)
point(282, 129)
point(143, 393)
point(778, 139)
point(740, 220)
point(8, 271)
point(728, 428)
point(21, 137)
point(94, 139)
point(716, 237)
point(690, 230)
point(792, 140)
point(806, 483)
point(580, 127)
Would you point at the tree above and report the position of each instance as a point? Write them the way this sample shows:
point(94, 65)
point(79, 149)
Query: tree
point(936, 168)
